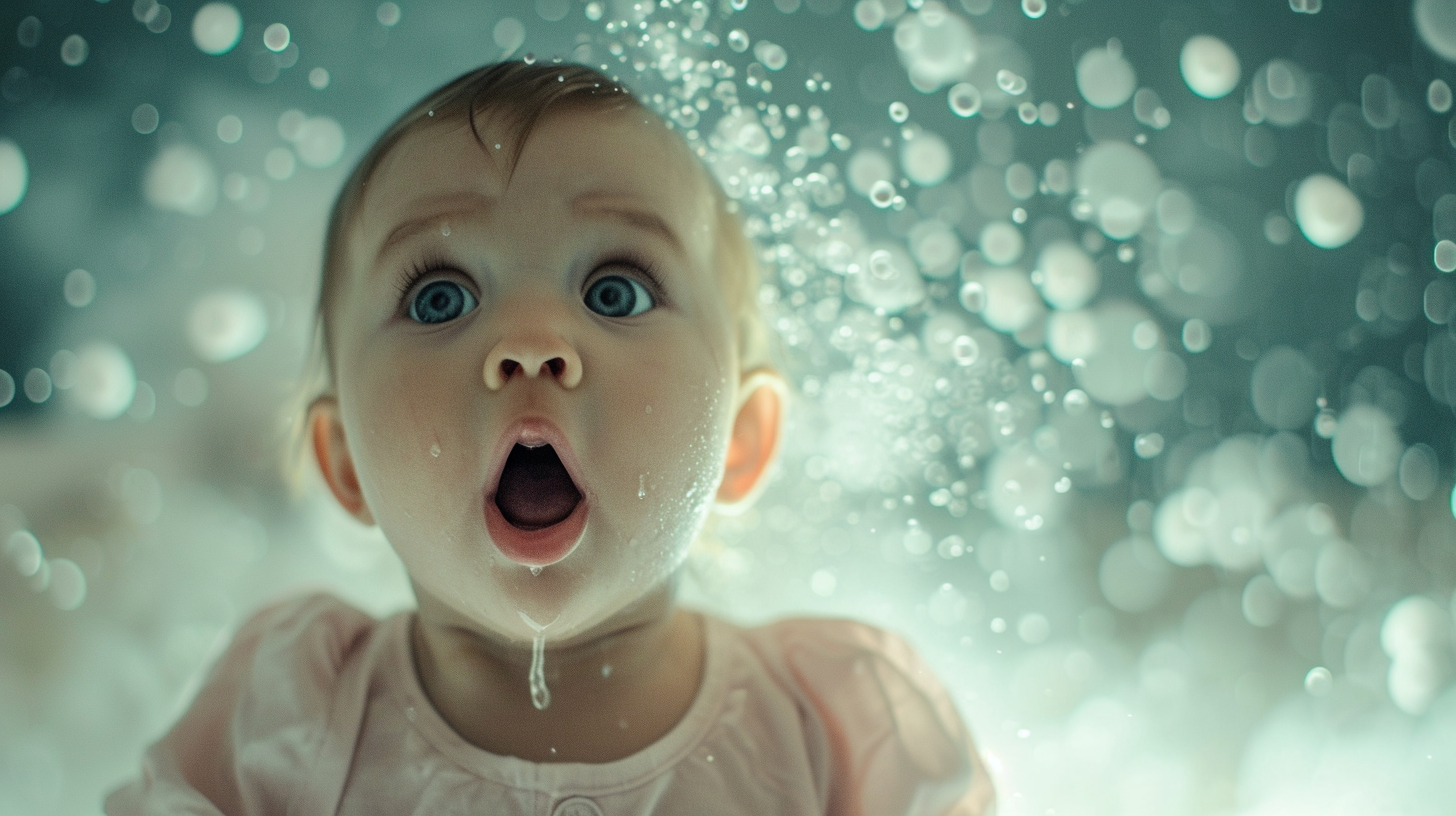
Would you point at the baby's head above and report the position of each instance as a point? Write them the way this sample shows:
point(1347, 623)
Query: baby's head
point(545, 362)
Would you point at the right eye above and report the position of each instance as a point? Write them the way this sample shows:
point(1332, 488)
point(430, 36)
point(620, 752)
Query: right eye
point(440, 301)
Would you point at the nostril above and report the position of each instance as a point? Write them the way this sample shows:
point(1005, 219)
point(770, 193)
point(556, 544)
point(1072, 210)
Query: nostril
point(508, 367)
point(556, 366)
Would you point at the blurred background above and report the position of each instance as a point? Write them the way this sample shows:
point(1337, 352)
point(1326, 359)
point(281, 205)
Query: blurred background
point(1121, 335)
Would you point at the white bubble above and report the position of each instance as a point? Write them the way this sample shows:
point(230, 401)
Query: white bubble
point(1011, 82)
point(105, 381)
point(1319, 682)
point(882, 194)
point(1209, 66)
point(319, 78)
point(1379, 102)
point(899, 112)
point(964, 99)
point(14, 176)
point(1366, 447)
point(1071, 335)
point(1114, 369)
point(1444, 256)
point(738, 40)
point(1147, 445)
point(509, 34)
point(1068, 278)
point(1011, 302)
point(145, 118)
point(1418, 471)
point(1282, 93)
point(1436, 25)
point(1033, 628)
point(771, 55)
point(1327, 212)
point(935, 45)
point(1284, 387)
point(869, 14)
point(25, 552)
point(216, 28)
point(74, 50)
point(276, 37)
point(926, 159)
point(1165, 375)
point(181, 178)
point(319, 141)
point(388, 14)
point(973, 296)
point(279, 163)
point(823, 583)
point(7, 388)
point(936, 248)
point(1001, 243)
point(886, 278)
point(226, 325)
point(1176, 212)
point(1105, 78)
point(1034, 8)
point(1416, 635)
point(1197, 335)
point(1120, 184)
point(1438, 96)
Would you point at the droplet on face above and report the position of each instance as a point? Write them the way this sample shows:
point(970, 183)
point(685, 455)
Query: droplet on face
point(435, 450)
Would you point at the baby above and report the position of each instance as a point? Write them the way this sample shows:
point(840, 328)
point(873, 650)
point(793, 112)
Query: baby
point(545, 368)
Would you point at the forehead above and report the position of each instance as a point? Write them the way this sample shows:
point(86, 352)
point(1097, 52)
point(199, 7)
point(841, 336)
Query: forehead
point(440, 169)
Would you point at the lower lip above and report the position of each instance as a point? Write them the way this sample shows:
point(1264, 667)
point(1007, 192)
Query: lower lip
point(535, 548)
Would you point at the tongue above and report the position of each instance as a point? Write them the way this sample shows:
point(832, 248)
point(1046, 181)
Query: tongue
point(535, 491)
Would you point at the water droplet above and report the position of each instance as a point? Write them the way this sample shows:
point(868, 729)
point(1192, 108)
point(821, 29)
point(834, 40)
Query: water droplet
point(882, 193)
point(1033, 8)
point(899, 111)
point(641, 485)
point(606, 669)
point(1319, 681)
point(435, 450)
point(540, 695)
point(973, 296)
point(594, 11)
point(964, 99)
point(529, 59)
point(965, 350)
point(738, 40)
point(535, 570)
point(1011, 82)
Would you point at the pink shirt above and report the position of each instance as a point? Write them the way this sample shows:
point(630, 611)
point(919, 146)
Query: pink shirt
point(315, 708)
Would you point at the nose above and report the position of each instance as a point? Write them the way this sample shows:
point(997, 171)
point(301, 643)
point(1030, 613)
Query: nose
point(531, 354)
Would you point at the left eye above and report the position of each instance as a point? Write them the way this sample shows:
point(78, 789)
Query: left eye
point(440, 301)
point(616, 296)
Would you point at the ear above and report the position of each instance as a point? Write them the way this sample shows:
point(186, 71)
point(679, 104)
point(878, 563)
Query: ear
point(326, 431)
point(754, 443)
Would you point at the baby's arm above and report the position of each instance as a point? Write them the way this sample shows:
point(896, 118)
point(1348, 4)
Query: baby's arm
point(256, 726)
point(897, 744)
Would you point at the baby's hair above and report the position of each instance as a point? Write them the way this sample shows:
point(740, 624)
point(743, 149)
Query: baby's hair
point(518, 95)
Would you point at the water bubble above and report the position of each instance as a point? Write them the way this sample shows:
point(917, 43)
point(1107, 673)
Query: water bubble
point(105, 381)
point(973, 296)
point(144, 118)
point(190, 387)
point(276, 37)
point(1011, 302)
point(899, 111)
point(1418, 471)
point(926, 159)
point(540, 694)
point(738, 5)
point(509, 34)
point(1148, 445)
point(1209, 66)
point(1105, 78)
point(181, 178)
point(227, 324)
point(1133, 575)
point(319, 141)
point(965, 350)
point(882, 193)
point(28, 32)
point(229, 129)
point(1068, 278)
point(1010, 82)
point(74, 50)
point(38, 385)
point(1284, 387)
point(1197, 335)
point(1445, 255)
point(1319, 682)
point(1436, 25)
point(1438, 96)
point(435, 450)
point(594, 10)
point(1033, 628)
point(67, 585)
point(387, 14)
point(7, 388)
point(935, 46)
point(964, 99)
point(217, 28)
point(1120, 185)
point(1000, 582)
point(79, 288)
point(1366, 447)
point(869, 14)
point(1001, 243)
point(1282, 93)
point(1379, 102)
point(1033, 8)
point(738, 40)
point(823, 583)
point(1327, 212)
point(771, 55)
point(14, 176)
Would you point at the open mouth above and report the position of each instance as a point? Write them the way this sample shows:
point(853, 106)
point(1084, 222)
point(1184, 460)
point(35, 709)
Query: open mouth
point(535, 491)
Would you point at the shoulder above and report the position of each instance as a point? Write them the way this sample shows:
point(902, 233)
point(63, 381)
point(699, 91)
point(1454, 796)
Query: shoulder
point(895, 740)
point(260, 717)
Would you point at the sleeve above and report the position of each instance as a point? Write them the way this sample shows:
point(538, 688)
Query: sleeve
point(257, 724)
point(896, 743)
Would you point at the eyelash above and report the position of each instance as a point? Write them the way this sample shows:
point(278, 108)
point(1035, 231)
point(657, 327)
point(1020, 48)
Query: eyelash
point(427, 265)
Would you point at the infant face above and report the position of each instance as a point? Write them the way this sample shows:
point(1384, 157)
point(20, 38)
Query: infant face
point(536, 374)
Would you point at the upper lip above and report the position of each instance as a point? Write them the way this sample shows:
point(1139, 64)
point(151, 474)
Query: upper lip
point(533, 432)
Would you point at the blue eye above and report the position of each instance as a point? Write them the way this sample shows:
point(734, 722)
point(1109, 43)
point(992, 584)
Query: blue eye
point(616, 296)
point(440, 301)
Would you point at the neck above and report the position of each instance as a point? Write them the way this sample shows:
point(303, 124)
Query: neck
point(613, 690)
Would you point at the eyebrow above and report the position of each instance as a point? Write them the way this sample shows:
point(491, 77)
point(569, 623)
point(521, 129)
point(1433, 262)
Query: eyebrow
point(436, 210)
point(621, 208)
